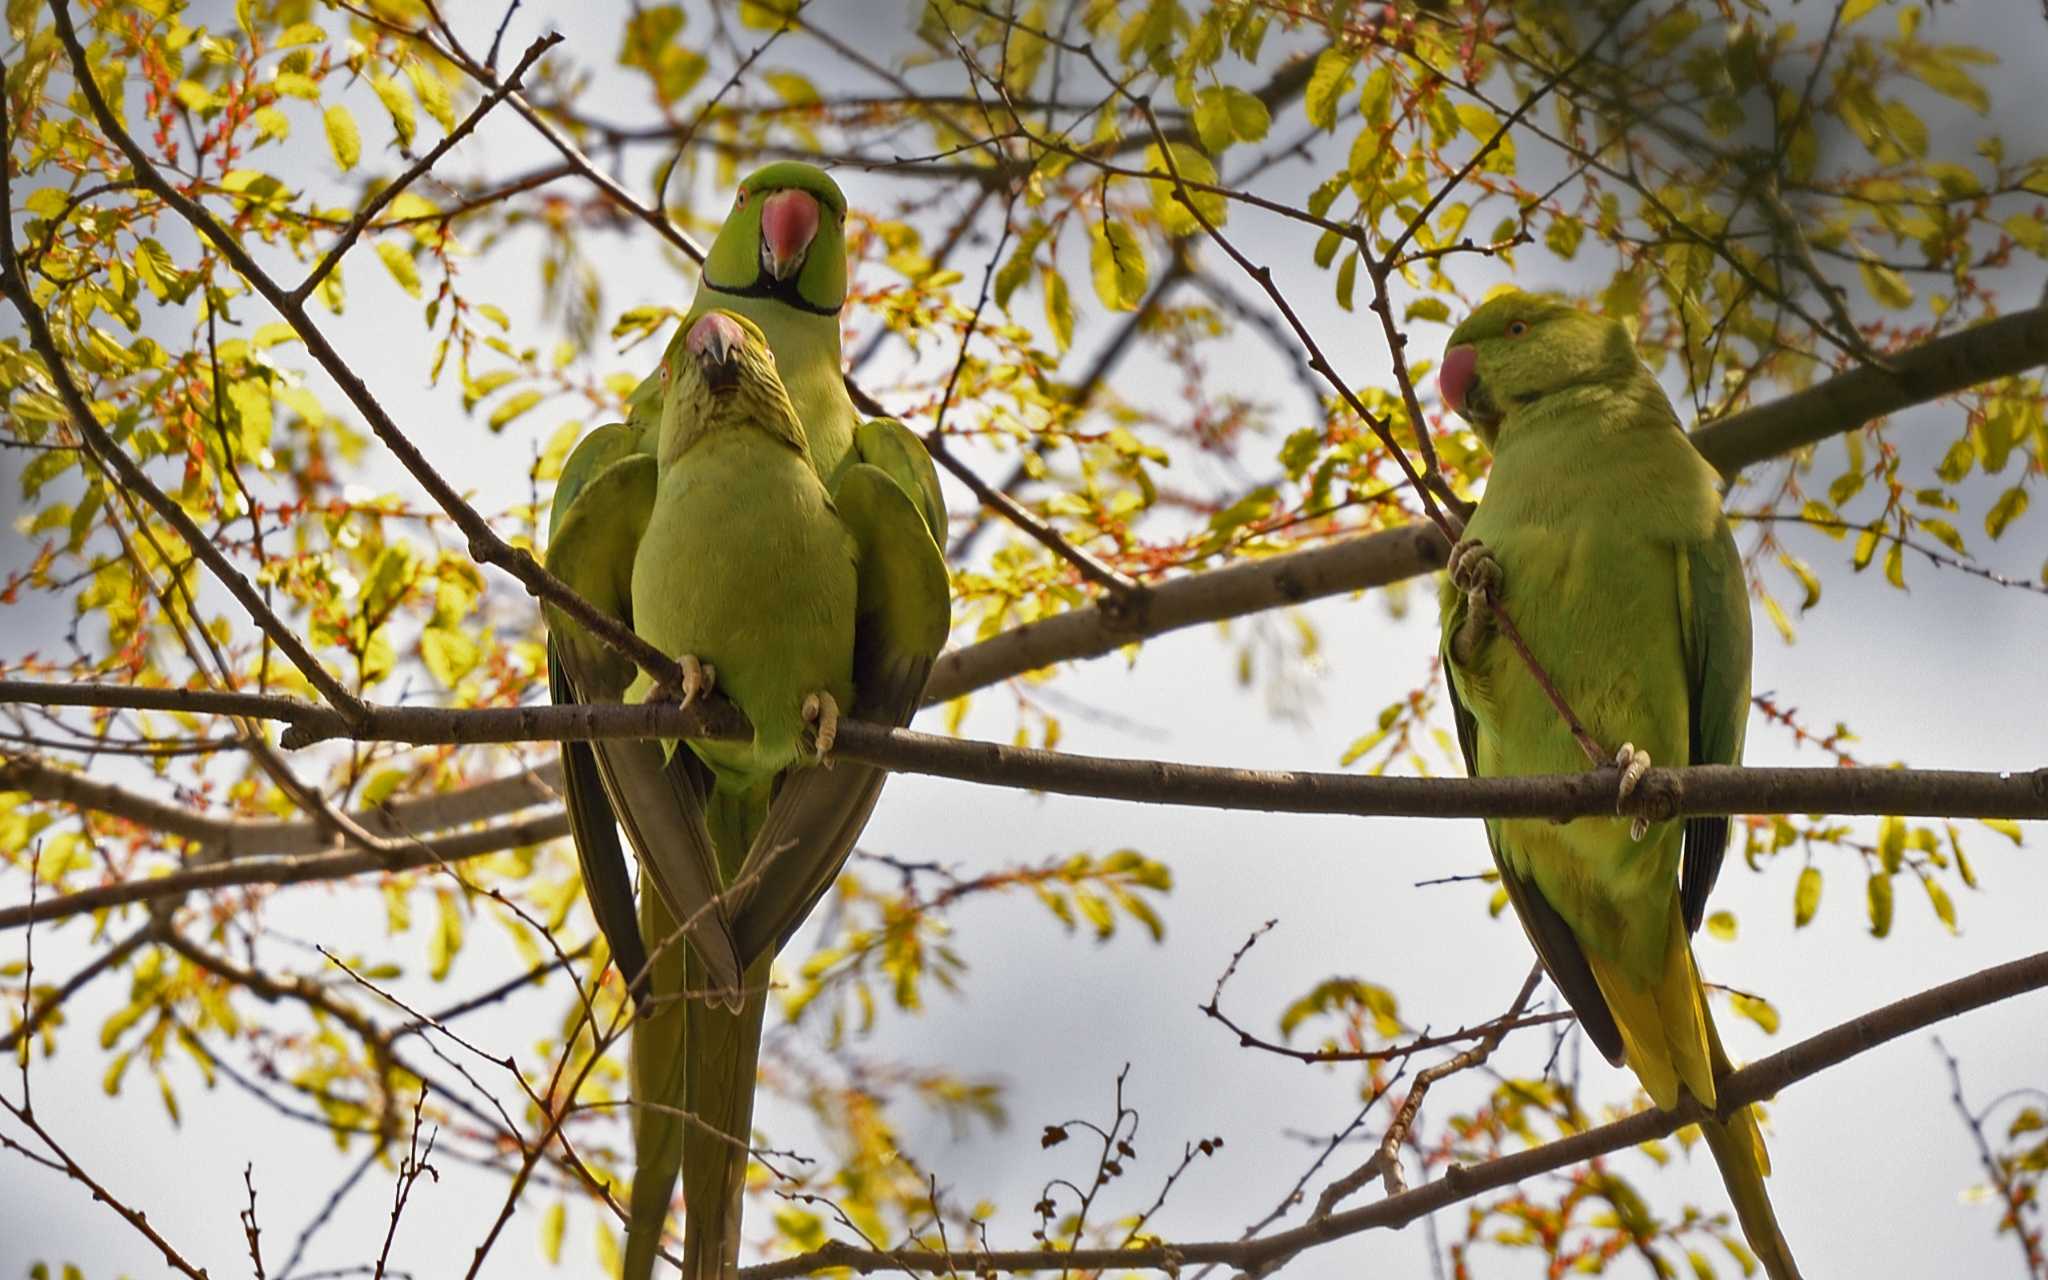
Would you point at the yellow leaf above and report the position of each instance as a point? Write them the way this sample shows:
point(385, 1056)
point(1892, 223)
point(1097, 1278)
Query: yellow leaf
point(1059, 308)
point(1116, 258)
point(1721, 925)
point(2010, 506)
point(432, 92)
point(447, 937)
point(343, 138)
point(1856, 9)
point(551, 1229)
point(400, 264)
point(1880, 891)
point(1806, 897)
point(512, 406)
point(1326, 85)
point(397, 106)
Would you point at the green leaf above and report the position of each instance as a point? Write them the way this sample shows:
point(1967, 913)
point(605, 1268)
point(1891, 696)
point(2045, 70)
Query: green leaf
point(1885, 284)
point(1117, 260)
point(400, 264)
point(1347, 279)
point(1434, 310)
point(1880, 891)
point(449, 654)
point(1806, 897)
point(343, 138)
point(1249, 118)
point(1059, 308)
point(1212, 120)
point(1192, 167)
point(2010, 506)
point(1327, 84)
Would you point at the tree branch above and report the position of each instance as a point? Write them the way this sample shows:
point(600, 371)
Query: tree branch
point(1995, 349)
point(1754, 1083)
point(1663, 794)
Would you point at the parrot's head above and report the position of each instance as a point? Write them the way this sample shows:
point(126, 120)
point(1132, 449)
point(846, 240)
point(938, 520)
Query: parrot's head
point(785, 239)
point(1517, 348)
point(717, 343)
point(722, 373)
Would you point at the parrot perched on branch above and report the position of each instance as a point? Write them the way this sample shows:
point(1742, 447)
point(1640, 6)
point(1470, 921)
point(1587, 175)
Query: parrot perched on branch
point(725, 550)
point(1601, 534)
point(779, 260)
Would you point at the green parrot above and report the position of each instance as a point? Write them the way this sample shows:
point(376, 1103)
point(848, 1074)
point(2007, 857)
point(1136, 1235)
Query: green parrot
point(724, 549)
point(780, 261)
point(1601, 530)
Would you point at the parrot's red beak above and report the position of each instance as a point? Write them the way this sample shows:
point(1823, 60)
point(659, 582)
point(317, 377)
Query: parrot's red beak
point(789, 222)
point(1460, 370)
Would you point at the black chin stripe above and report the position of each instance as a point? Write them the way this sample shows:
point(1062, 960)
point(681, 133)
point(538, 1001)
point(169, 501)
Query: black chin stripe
point(783, 291)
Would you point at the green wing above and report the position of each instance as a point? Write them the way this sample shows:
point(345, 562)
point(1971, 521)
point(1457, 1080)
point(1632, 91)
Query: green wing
point(904, 613)
point(607, 881)
point(896, 450)
point(1714, 615)
point(657, 799)
point(1556, 945)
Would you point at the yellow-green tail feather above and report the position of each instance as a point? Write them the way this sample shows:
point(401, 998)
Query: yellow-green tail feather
point(1672, 1046)
point(1738, 1148)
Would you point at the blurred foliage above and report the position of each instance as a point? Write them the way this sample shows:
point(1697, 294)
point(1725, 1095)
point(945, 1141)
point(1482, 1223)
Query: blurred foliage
point(1769, 193)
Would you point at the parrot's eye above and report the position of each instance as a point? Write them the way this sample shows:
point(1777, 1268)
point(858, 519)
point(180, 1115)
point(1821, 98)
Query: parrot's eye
point(740, 201)
point(1516, 328)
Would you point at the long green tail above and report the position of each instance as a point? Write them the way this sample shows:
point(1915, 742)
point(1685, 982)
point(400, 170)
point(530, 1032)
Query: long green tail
point(658, 1059)
point(725, 1049)
point(1738, 1148)
point(696, 1056)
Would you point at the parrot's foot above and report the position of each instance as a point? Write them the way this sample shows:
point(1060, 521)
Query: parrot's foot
point(699, 677)
point(1633, 763)
point(1474, 571)
point(821, 710)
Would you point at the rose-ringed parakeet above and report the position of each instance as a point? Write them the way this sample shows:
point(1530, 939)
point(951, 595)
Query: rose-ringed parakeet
point(798, 605)
point(1601, 532)
point(780, 261)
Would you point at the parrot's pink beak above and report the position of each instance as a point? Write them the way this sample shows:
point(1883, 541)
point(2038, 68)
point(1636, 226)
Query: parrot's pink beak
point(789, 221)
point(715, 342)
point(1460, 370)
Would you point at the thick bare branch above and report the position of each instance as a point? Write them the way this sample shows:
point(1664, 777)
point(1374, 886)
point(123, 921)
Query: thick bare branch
point(1995, 349)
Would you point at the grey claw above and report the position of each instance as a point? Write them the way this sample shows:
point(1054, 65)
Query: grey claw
point(1473, 569)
